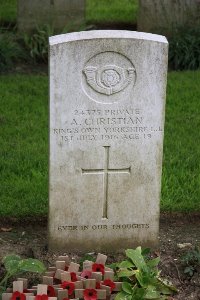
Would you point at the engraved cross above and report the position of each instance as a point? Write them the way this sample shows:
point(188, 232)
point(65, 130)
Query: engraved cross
point(105, 172)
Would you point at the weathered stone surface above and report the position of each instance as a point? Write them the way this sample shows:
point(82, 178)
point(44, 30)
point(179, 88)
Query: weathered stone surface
point(164, 16)
point(107, 104)
point(57, 13)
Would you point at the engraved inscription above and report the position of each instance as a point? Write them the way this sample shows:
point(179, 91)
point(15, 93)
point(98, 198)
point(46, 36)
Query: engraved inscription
point(102, 227)
point(109, 79)
point(105, 172)
point(123, 124)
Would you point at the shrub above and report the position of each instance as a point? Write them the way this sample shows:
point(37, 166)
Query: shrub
point(184, 49)
point(141, 277)
point(191, 261)
point(37, 43)
point(10, 51)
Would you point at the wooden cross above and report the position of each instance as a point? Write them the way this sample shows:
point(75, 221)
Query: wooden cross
point(105, 172)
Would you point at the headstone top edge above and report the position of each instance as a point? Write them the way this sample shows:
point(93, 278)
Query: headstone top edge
point(105, 34)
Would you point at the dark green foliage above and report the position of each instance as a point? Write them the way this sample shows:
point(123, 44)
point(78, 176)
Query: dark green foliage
point(192, 261)
point(14, 265)
point(37, 43)
point(184, 49)
point(140, 276)
point(10, 51)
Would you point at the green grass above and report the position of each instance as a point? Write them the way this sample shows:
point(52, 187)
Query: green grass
point(23, 140)
point(181, 169)
point(96, 11)
point(8, 11)
point(24, 144)
point(111, 11)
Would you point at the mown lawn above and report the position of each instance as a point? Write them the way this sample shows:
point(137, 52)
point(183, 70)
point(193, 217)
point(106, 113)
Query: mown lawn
point(111, 11)
point(181, 168)
point(24, 144)
point(96, 11)
point(8, 11)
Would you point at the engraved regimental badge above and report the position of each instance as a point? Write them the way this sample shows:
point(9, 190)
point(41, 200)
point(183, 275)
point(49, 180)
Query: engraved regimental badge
point(107, 74)
point(109, 79)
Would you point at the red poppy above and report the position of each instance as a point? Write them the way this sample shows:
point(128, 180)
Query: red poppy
point(98, 268)
point(51, 291)
point(73, 276)
point(66, 268)
point(41, 297)
point(98, 285)
point(90, 294)
point(67, 285)
point(18, 296)
point(86, 274)
point(109, 283)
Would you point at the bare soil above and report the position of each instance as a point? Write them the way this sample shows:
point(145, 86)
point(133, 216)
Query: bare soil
point(28, 238)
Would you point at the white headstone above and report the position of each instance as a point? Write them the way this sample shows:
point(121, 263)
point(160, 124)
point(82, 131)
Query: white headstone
point(58, 14)
point(107, 105)
point(165, 16)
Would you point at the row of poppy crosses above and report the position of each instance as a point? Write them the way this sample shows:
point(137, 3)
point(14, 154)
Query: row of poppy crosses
point(64, 281)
